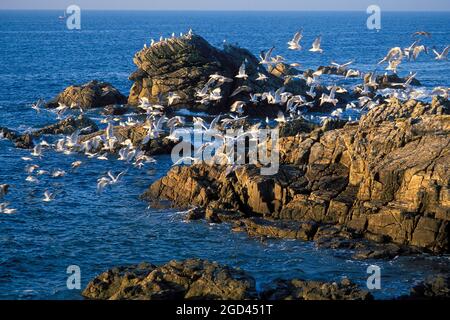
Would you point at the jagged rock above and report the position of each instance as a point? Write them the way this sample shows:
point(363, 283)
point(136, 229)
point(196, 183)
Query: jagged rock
point(179, 65)
point(183, 66)
point(68, 126)
point(93, 94)
point(280, 228)
point(192, 279)
point(23, 141)
point(386, 178)
point(297, 289)
point(437, 287)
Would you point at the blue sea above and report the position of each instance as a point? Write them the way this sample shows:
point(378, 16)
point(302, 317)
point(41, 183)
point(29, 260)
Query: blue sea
point(39, 57)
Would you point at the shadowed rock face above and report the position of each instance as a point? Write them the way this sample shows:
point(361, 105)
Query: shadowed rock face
point(192, 279)
point(93, 94)
point(386, 178)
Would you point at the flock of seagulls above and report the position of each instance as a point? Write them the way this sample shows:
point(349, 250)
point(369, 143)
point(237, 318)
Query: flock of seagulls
point(155, 124)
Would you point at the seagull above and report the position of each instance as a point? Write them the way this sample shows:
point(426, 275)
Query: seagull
point(241, 89)
point(238, 107)
point(37, 151)
point(417, 50)
point(172, 97)
point(76, 164)
point(37, 105)
point(266, 57)
point(352, 73)
point(48, 196)
point(115, 179)
point(422, 33)
point(337, 113)
point(102, 183)
point(329, 98)
point(241, 73)
point(32, 179)
point(443, 55)
point(395, 53)
point(58, 173)
point(4, 208)
point(280, 117)
point(261, 77)
point(393, 65)
point(341, 66)
point(294, 43)
point(316, 45)
point(185, 159)
point(219, 78)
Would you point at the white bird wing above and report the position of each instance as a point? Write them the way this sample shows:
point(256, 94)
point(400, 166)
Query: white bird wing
point(316, 43)
point(445, 52)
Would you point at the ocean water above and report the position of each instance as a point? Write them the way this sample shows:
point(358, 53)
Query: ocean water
point(39, 57)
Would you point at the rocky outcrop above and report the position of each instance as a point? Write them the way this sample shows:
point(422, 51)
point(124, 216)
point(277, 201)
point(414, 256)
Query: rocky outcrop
point(23, 141)
point(196, 279)
point(183, 66)
point(386, 178)
point(437, 287)
point(68, 126)
point(93, 94)
point(191, 279)
point(297, 289)
point(136, 134)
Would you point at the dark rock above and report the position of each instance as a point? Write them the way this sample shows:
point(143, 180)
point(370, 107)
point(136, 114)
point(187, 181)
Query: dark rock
point(22, 141)
point(192, 279)
point(436, 288)
point(93, 94)
point(297, 289)
point(68, 126)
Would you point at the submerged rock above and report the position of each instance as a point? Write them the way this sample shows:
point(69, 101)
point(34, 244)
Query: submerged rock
point(297, 289)
point(192, 279)
point(93, 94)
